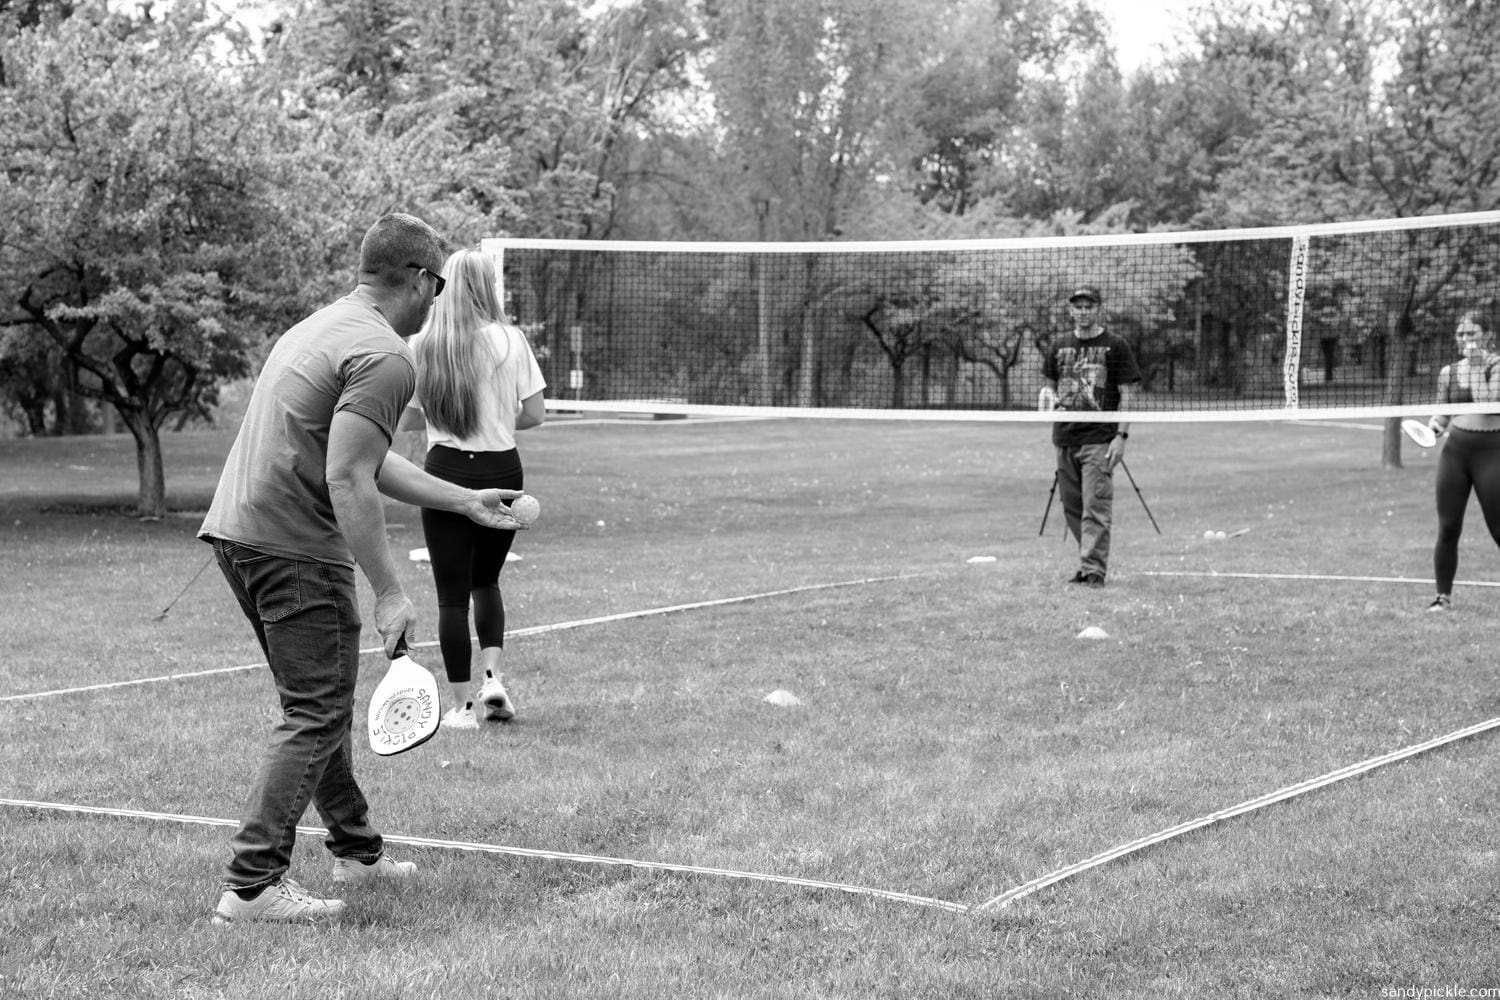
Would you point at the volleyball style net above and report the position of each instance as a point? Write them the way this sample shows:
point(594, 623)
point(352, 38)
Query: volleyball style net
point(1346, 319)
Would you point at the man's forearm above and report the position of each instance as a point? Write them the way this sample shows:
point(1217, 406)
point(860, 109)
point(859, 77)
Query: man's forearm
point(401, 480)
point(1127, 403)
point(361, 518)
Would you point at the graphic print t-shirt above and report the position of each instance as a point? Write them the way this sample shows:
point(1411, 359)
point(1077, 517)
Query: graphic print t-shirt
point(1089, 374)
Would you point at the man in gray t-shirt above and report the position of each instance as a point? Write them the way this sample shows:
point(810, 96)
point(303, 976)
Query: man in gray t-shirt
point(274, 495)
point(298, 508)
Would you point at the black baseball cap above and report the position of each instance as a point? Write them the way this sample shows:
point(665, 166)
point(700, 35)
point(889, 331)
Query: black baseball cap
point(1089, 292)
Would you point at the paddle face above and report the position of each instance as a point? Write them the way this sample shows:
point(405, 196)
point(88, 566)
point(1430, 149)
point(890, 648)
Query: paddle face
point(404, 708)
point(1419, 432)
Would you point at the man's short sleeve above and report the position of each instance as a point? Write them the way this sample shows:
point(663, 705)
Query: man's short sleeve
point(378, 386)
point(1127, 371)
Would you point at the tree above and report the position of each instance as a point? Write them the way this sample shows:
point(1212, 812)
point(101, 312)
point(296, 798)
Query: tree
point(153, 234)
point(806, 95)
point(133, 215)
point(543, 101)
point(992, 66)
point(996, 306)
point(1186, 123)
point(34, 383)
point(546, 92)
point(1339, 138)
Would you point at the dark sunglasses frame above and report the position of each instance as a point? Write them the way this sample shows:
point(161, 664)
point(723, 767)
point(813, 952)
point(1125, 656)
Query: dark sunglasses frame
point(441, 281)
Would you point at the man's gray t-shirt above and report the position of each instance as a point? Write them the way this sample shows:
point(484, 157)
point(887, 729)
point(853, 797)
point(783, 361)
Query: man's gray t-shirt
point(273, 494)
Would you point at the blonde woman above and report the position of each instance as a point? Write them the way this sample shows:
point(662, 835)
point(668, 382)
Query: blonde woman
point(478, 383)
point(1470, 459)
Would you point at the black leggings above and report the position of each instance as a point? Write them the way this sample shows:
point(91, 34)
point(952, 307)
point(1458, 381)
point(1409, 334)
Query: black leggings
point(466, 557)
point(1470, 460)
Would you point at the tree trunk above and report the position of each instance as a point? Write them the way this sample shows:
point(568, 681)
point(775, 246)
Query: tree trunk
point(808, 370)
point(924, 385)
point(898, 385)
point(151, 502)
point(1398, 365)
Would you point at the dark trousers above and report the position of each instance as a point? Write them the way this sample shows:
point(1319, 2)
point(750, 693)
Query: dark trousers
point(467, 557)
point(306, 617)
point(1469, 462)
point(1086, 486)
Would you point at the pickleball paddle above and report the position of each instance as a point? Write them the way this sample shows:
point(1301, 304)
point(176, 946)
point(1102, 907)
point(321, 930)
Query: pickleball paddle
point(1419, 432)
point(404, 708)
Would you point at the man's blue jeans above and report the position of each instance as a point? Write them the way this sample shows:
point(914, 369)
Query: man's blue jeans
point(1086, 485)
point(306, 616)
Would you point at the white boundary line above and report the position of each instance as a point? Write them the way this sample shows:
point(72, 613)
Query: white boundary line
point(998, 902)
point(637, 410)
point(1340, 423)
point(1291, 791)
point(520, 851)
point(533, 630)
point(525, 852)
point(1309, 576)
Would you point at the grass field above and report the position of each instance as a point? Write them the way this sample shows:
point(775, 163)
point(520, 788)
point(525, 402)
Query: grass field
point(955, 737)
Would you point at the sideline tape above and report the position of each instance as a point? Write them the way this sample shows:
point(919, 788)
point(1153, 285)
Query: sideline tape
point(1291, 791)
point(515, 633)
point(524, 852)
point(989, 906)
point(1311, 576)
point(996, 903)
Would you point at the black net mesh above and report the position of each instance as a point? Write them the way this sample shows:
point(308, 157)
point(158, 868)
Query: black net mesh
point(1269, 322)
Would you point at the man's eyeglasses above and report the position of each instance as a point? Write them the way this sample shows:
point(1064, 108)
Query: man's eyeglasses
point(441, 281)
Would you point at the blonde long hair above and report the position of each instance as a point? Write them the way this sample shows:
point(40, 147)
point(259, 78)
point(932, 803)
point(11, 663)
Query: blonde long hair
point(453, 360)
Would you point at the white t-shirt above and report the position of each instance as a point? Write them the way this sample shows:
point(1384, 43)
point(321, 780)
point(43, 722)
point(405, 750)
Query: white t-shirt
point(516, 378)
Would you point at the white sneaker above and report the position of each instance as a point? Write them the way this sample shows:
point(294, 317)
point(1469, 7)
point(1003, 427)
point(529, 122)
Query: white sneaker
point(495, 699)
point(286, 902)
point(350, 870)
point(461, 718)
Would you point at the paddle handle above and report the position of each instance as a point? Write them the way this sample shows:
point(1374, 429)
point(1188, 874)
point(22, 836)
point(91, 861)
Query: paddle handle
point(401, 647)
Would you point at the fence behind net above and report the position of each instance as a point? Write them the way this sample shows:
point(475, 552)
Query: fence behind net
point(1315, 321)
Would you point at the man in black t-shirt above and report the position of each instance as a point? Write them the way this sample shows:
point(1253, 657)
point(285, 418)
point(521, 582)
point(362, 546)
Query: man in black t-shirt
point(1089, 369)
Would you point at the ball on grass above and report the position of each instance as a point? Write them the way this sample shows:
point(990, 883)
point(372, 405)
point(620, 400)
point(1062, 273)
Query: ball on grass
point(525, 508)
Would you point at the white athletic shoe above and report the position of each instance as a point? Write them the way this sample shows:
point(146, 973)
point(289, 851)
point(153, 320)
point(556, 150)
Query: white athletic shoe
point(1441, 603)
point(352, 871)
point(461, 718)
point(495, 699)
point(286, 902)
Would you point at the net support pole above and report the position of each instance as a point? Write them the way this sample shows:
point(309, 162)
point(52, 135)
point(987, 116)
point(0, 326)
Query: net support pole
point(1050, 494)
point(496, 250)
point(1296, 297)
